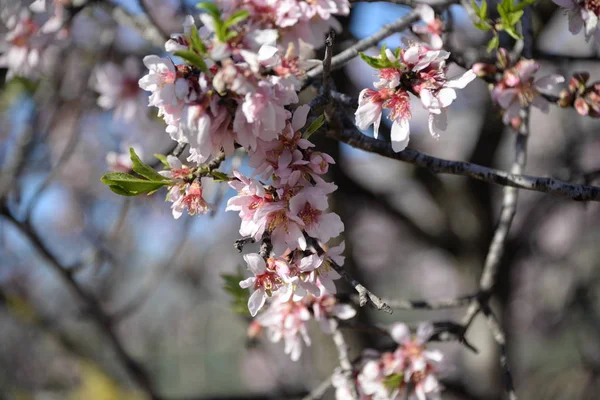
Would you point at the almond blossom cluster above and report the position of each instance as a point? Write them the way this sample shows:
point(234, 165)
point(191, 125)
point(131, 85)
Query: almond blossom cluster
point(431, 32)
point(584, 97)
point(296, 21)
point(233, 90)
point(417, 70)
point(408, 372)
point(516, 86)
point(26, 44)
point(33, 27)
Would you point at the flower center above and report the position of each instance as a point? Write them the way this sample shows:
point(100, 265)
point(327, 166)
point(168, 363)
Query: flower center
point(399, 104)
point(593, 6)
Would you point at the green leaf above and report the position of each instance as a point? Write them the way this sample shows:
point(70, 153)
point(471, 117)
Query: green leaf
point(507, 5)
point(120, 191)
point(219, 176)
point(129, 185)
point(197, 43)
point(482, 25)
point(476, 8)
point(231, 284)
point(373, 61)
point(512, 32)
point(230, 35)
point(236, 18)
point(523, 4)
point(193, 59)
point(143, 169)
point(493, 44)
point(484, 10)
point(514, 17)
point(314, 126)
point(393, 382)
point(210, 8)
point(383, 55)
point(163, 160)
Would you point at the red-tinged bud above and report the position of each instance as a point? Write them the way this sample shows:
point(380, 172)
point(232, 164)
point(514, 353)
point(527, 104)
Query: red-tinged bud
point(578, 81)
point(483, 69)
point(581, 106)
point(516, 123)
point(254, 330)
point(565, 98)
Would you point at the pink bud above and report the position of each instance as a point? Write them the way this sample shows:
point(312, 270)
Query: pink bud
point(483, 69)
point(581, 106)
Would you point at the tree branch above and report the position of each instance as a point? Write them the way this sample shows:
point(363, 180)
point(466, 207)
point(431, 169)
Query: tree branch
point(342, 58)
point(353, 137)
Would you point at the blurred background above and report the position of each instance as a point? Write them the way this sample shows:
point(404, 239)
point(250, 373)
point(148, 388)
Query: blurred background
point(409, 233)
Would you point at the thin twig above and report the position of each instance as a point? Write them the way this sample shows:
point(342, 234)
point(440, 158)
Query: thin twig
point(457, 302)
point(353, 137)
point(345, 363)
point(500, 338)
point(319, 391)
point(365, 295)
point(342, 58)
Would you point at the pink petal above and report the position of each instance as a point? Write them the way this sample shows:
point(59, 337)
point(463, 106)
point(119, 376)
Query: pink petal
point(256, 301)
point(400, 333)
point(400, 135)
point(299, 118)
point(256, 263)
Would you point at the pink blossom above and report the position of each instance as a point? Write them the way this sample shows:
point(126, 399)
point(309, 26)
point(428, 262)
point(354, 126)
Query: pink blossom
point(416, 70)
point(25, 48)
point(433, 27)
point(519, 88)
point(119, 90)
point(187, 197)
point(309, 205)
point(163, 80)
point(582, 14)
point(265, 281)
point(287, 320)
point(326, 307)
point(180, 41)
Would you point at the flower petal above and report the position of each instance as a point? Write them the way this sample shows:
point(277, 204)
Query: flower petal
point(400, 135)
point(256, 263)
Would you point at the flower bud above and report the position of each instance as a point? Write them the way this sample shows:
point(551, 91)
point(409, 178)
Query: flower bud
point(577, 82)
point(581, 106)
point(565, 98)
point(483, 69)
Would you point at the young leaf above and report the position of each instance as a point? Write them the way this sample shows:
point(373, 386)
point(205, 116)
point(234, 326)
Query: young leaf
point(163, 160)
point(484, 9)
point(523, 4)
point(193, 59)
point(511, 31)
point(239, 296)
point(210, 8)
point(493, 44)
point(144, 170)
point(372, 61)
point(514, 17)
point(129, 185)
point(314, 126)
point(197, 43)
point(236, 18)
point(219, 176)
